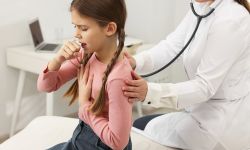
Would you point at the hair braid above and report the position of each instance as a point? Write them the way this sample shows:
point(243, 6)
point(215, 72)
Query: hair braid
point(99, 104)
point(73, 90)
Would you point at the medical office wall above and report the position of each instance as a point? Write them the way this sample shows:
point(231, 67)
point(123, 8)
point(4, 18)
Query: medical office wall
point(152, 20)
point(149, 20)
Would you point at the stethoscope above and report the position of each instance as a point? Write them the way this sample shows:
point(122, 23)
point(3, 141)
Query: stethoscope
point(199, 18)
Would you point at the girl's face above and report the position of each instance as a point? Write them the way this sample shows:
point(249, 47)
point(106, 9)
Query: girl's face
point(90, 34)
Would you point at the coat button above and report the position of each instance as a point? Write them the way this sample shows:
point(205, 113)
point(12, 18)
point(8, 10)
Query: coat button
point(149, 102)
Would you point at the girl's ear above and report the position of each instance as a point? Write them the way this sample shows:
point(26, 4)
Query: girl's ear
point(111, 28)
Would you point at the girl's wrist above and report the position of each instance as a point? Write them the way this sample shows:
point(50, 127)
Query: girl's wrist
point(82, 100)
point(58, 60)
point(54, 64)
point(55, 61)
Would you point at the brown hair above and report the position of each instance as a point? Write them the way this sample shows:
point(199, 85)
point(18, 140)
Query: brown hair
point(244, 3)
point(103, 11)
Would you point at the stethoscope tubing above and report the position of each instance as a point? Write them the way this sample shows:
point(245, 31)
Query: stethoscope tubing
point(199, 19)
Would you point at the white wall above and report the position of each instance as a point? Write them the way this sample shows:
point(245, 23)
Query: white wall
point(150, 20)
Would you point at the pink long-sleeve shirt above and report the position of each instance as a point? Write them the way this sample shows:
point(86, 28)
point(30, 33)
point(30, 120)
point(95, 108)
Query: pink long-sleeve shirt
point(114, 125)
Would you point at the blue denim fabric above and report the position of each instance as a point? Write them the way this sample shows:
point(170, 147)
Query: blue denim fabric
point(84, 138)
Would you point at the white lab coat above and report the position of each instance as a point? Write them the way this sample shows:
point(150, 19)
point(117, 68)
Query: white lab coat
point(216, 98)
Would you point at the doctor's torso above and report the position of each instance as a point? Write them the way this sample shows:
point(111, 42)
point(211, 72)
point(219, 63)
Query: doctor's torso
point(214, 55)
point(216, 96)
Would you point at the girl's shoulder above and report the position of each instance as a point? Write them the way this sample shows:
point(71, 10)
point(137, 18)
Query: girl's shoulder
point(122, 70)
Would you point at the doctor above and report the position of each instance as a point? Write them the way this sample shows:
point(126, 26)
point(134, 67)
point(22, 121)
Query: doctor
point(215, 101)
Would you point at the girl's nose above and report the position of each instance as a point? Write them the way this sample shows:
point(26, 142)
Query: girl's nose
point(78, 36)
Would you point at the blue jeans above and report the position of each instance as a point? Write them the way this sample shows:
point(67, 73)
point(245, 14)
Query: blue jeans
point(84, 138)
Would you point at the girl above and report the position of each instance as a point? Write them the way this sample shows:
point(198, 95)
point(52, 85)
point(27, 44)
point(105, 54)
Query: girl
point(105, 114)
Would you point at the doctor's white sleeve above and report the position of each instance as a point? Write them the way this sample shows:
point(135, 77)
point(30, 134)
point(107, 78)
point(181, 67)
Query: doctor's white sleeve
point(156, 57)
point(225, 44)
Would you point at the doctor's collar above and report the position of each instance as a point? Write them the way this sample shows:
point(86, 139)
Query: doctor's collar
point(204, 7)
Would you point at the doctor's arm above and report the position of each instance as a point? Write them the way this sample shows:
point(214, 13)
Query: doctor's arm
point(224, 47)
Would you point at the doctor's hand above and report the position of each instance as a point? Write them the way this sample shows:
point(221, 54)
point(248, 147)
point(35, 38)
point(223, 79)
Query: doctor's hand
point(135, 89)
point(84, 84)
point(132, 61)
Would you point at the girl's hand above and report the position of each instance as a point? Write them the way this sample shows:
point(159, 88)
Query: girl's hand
point(85, 84)
point(135, 89)
point(67, 51)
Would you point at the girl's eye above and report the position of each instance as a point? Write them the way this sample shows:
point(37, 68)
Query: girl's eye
point(84, 29)
point(80, 28)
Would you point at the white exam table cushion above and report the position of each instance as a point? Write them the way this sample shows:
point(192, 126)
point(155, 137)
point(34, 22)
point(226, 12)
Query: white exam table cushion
point(46, 131)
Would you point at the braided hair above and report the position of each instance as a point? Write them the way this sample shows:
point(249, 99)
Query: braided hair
point(73, 90)
point(98, 104)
